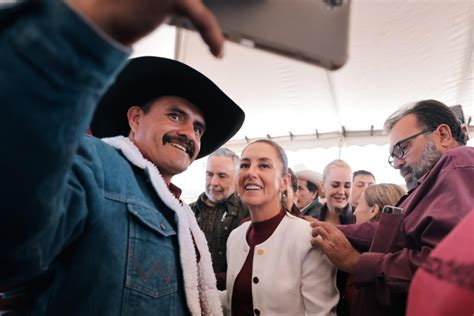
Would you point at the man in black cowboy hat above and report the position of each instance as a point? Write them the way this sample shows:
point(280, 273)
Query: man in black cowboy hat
point(90, 226)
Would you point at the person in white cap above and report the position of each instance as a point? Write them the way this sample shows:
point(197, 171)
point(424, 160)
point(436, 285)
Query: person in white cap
point(307, 193)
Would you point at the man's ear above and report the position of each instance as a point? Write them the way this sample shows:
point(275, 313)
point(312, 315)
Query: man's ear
point(134, 114)
point(445, 136)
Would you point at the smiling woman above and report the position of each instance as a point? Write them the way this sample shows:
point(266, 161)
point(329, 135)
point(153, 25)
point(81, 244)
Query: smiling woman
point(337, 184)
point(274, 243)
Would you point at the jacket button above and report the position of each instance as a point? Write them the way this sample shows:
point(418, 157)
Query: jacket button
point(260, 252)
point(256, 311)
point(255, 280)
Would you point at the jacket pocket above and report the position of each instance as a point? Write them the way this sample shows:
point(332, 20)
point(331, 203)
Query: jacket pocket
point(152, 257)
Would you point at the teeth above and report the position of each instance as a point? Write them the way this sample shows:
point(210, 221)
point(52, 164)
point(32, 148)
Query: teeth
point(252, 187)
point(178, 146)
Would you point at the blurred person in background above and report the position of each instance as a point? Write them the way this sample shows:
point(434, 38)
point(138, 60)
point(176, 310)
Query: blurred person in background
point(219, 209)
point(374, 198)
point(361, 180)
point(307, 193)
point(289, 195)
point(337, 184)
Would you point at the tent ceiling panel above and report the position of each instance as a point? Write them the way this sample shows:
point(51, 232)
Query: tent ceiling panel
point(400, 51)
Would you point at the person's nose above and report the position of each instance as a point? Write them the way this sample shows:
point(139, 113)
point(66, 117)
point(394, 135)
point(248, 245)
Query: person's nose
point(187, 129)
point(340, 190)
point(398, 163)
point(214, 180)
point(250, 172)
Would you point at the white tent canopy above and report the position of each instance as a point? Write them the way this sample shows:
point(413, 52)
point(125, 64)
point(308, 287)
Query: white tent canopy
point(400, 51)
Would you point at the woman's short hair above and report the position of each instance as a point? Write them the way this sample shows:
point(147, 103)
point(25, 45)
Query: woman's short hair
point(383, 194)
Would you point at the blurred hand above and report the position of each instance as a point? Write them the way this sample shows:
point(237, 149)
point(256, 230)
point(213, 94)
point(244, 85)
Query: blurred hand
point(127, 21)
point(335, 245)
point(309, 218)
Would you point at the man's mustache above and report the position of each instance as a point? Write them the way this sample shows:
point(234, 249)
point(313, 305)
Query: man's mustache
point(181, 140)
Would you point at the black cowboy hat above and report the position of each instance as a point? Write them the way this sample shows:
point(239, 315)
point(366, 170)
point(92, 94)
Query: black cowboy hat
point(146, 78)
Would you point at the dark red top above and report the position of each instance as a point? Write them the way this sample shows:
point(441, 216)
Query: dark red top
point(444, 284)
point(242, 293)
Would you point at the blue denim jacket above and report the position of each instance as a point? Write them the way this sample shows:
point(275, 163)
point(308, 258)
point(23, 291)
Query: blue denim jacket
point(72, 206)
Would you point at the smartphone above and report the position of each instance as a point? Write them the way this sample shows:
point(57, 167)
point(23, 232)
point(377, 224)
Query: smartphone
point(388, 209)
point(312, 31)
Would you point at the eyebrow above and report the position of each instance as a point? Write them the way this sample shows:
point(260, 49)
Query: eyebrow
point(264, 159)
point(197, 123)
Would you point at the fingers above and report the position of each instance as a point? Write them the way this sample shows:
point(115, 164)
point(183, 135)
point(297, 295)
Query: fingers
point(206, 23)
point(317, 242)
point(320, 237)
point(321, 231)
point(316, 223)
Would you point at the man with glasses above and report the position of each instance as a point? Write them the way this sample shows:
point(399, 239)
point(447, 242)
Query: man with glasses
point(427, 146)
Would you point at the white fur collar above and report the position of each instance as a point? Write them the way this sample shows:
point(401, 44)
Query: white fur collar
point(199, 278)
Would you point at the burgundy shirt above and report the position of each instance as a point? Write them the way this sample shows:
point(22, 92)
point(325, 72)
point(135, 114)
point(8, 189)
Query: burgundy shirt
point(401, 243)
point(242, 303)
point(444, 284)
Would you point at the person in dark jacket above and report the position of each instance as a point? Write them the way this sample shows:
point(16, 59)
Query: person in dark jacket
point(219, 209)
point(308, 192)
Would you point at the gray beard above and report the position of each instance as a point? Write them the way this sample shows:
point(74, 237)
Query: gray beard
point(428, 159)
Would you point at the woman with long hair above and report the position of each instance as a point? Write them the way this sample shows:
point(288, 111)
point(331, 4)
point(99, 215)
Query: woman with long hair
point(337, 184)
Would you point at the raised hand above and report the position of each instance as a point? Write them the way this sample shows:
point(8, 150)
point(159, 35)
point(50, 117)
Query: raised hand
point(335, 245)
point(127, 21)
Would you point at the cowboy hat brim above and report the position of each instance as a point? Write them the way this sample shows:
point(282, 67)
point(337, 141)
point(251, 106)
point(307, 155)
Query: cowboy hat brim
point(146, 78)
point(309, 175)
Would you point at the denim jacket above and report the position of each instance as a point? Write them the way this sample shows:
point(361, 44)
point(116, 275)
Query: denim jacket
point(99, 221)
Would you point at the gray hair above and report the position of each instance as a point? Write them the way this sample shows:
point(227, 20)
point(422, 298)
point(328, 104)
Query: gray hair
point(226, 152)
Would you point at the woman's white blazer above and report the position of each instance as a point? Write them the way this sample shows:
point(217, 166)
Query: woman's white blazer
point(289, 276)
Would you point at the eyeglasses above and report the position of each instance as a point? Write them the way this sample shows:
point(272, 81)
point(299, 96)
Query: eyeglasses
point(401, 148)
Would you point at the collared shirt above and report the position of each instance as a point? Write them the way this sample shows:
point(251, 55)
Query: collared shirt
point(313, 209)
point(176, 191)
point(217, 222)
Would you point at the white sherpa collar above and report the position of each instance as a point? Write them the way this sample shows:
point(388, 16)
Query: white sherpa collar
point(199, 279)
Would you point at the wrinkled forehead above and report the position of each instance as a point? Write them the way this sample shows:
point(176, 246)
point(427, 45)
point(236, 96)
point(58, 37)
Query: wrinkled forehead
point(220, 164)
